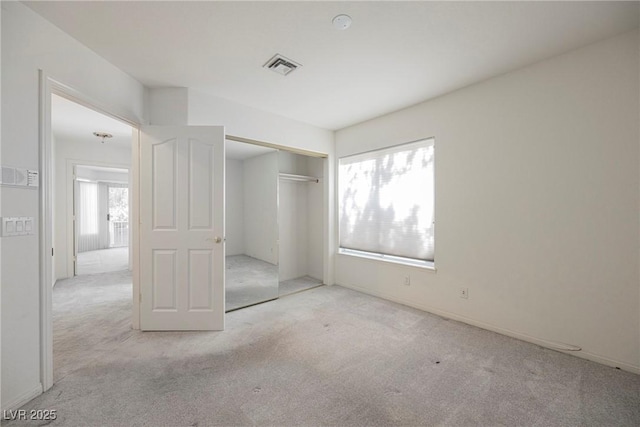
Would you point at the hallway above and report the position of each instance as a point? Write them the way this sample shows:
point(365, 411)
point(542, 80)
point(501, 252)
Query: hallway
point(103, 261)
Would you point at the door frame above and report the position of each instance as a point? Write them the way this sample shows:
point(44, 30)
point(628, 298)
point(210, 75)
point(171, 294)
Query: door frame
point(47, 87)
point(72, 232)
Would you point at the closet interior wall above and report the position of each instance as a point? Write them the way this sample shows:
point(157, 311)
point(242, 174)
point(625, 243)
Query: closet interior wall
point(251, 207)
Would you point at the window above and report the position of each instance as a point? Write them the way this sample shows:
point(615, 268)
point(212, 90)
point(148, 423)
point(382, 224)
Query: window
point(88, 216)
point(387, 203)
point(88, 208)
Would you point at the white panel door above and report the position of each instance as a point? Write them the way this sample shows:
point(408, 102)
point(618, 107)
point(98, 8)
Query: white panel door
point(181, 228)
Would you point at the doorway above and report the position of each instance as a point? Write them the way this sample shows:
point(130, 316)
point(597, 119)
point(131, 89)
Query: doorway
point(101, 211)
point(86, 168)
point(90, 196)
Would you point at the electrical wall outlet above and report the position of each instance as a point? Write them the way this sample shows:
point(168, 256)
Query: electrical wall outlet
point(407, 280)
point(464, 293)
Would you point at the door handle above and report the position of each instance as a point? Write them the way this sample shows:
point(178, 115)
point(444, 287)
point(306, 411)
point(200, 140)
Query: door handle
point(216, 239)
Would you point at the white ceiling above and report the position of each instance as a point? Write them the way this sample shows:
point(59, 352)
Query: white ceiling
point(395, 54)
point(73, 122)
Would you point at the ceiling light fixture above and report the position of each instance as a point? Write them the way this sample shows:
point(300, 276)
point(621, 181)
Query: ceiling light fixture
point(103, 135)
point(342, 22)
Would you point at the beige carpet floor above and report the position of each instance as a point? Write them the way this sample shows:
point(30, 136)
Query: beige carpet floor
point(328, 356)
point(291, 286)
point(103, 261)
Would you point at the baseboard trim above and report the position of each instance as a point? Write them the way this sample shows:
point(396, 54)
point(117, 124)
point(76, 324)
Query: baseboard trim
point(513, 334)
point(23, 399)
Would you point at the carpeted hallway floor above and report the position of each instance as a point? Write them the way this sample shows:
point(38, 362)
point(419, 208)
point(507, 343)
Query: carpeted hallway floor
point(103, 261)
point(328, 356)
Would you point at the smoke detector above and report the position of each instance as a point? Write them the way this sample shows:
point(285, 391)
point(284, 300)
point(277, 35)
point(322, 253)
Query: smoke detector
point(341, 22)
point(281, 65)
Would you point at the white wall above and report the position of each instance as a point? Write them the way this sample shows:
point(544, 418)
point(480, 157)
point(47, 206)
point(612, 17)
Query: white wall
point(293, 163)
point(90, 152)
point(261, 208)
point(30, 43)
point(167, 106)
point(536, 203)
point(234, 207)
point(247, 122)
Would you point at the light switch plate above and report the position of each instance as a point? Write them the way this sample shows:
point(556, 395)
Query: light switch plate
point(8, 226)
point(17, 226)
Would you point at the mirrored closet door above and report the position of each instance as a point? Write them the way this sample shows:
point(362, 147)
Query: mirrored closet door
point(274, 223)
point(251, 212)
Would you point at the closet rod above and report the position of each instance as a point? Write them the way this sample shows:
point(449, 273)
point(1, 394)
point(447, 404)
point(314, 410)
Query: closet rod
point(293, 177)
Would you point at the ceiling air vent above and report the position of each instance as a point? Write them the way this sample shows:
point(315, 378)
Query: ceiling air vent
point(281, 65)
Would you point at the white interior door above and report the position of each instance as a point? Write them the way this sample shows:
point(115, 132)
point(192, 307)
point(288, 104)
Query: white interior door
point(181, 228)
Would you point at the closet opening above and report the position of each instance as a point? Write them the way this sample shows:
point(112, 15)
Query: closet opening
point(300, 222)
point(274, 205)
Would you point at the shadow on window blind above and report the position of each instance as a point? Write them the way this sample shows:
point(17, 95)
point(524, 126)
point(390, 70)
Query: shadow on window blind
point(387, 201)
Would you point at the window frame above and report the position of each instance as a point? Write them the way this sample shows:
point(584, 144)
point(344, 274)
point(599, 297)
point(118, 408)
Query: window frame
point(392, 259)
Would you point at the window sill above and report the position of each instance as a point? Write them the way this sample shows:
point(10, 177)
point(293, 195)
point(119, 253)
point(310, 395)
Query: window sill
point(422, 265)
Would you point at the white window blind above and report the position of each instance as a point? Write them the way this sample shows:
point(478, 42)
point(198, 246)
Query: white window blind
point(88, 217)
point(92, 209)
point(387, 201)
